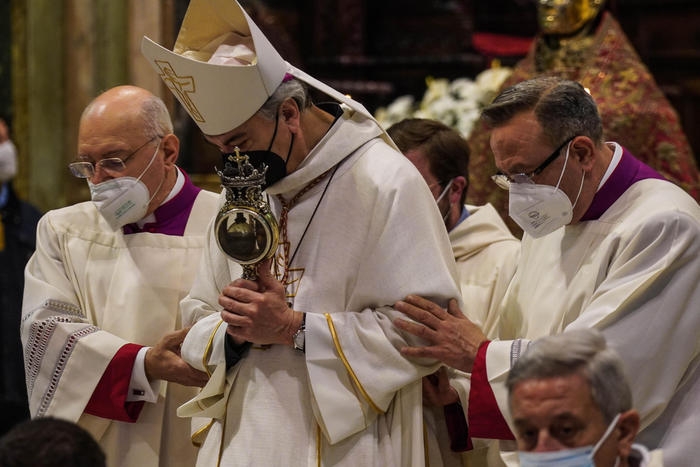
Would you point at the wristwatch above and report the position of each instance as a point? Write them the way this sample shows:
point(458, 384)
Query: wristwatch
point(299, 337)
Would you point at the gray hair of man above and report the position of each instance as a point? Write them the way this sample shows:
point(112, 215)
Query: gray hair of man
point(563, 108)
point(581, 351)
point(156, 118)
point(291, 88)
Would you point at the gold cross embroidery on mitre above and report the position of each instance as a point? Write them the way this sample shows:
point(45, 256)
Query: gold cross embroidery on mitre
point(182, 86)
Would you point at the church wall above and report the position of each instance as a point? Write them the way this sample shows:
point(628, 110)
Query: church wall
point(56, 56)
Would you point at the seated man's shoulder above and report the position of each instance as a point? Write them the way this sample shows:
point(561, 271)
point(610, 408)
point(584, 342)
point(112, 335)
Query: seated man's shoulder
point(652, 211)
point(656, 198)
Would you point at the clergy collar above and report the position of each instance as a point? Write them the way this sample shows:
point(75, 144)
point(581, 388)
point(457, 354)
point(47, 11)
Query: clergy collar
point(171, 216)
point(179, 182)
point(617, 155)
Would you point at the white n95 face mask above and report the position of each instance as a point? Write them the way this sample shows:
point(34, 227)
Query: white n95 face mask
point(123, 200)
point(442, 195)
point(577, 457)
point(8, 161)
point(541, 209)
point(538, 209)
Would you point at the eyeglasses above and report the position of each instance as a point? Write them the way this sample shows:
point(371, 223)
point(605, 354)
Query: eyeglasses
point(504, 181)
point(111, 165)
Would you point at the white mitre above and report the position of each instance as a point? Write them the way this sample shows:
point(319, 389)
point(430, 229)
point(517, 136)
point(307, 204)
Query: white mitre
point(222, 68)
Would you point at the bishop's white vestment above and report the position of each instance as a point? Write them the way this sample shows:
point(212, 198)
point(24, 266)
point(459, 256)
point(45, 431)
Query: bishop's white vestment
point(373, 235)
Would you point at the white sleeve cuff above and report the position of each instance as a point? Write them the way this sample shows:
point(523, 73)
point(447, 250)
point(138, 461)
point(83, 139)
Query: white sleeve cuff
point(140, 389)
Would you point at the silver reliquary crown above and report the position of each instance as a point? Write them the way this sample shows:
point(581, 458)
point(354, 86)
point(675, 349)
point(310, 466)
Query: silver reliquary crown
point(242, 181)
point(245, 229)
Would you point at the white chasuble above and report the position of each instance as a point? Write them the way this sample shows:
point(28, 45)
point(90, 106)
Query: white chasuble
point(372, 236)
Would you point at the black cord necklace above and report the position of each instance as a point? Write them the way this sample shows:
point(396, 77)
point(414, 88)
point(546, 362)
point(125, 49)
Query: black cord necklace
point(287, 206)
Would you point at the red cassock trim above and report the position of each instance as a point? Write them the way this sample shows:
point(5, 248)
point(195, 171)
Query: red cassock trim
point(484, 416)
point(109, 398)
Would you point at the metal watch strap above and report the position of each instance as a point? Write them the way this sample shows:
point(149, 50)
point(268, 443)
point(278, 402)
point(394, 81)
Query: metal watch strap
point(299, 337)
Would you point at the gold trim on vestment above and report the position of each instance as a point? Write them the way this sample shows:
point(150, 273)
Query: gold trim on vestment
point(205, 428)
point(318, 445)
point(208, 348)
point(348, 368)
point(223, 430)
point(199, 433)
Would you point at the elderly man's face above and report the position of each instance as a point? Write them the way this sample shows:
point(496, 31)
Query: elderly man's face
point(559, 413)
point(109, 131)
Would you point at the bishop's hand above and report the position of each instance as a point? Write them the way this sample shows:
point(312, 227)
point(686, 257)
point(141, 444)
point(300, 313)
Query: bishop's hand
point(257, 311)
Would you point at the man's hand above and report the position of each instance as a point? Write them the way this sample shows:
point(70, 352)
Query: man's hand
point(257, 312)
point(163, 361)
point(452, 338)
point(437, 390)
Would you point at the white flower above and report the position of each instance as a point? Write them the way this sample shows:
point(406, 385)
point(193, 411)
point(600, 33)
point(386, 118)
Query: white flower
point(401, 108)
point(490, 82)
point(457, 104)
point(493, 78)
point(463, 88)
point(437, 88)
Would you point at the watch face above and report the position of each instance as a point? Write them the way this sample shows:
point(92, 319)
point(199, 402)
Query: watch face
point(245, 236)
point(300, 340)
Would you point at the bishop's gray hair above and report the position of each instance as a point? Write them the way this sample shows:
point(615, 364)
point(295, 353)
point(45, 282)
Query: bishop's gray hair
point(563, 108)
point(293, 89)
point(581, 351)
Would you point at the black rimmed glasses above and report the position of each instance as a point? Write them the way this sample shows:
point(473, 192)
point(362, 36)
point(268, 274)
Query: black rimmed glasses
point(504, 181)
point(111, 165)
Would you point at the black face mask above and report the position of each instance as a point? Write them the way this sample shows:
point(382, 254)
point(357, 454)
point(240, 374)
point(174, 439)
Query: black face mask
point(276, 166)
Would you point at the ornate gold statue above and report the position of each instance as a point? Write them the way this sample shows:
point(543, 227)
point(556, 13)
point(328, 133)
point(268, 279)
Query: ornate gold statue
point(566, 38)
point(564, 17)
